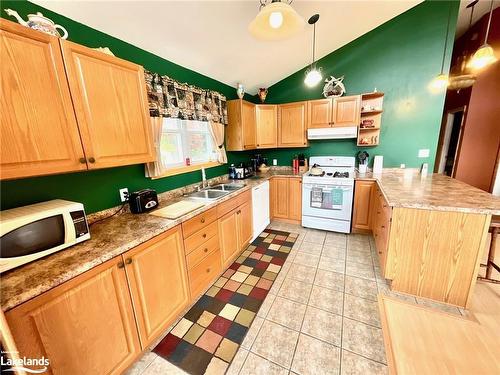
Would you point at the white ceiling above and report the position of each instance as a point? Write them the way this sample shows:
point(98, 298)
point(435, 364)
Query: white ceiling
point(211, 37)
point(480, 9)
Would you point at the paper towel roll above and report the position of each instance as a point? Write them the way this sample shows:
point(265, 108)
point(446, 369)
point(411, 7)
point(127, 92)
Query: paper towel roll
point(378, 162)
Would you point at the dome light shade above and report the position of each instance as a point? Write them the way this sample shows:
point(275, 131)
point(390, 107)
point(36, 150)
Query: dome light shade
point(483, 57)
point(313, 77)
point(276, 21)
point(439, 83)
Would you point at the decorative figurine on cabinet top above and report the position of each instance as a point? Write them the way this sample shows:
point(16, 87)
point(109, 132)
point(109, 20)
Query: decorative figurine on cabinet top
point(334, 87)
point(262, 94)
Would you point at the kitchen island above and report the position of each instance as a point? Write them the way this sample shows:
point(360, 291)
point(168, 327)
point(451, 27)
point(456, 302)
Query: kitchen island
point(430, 232)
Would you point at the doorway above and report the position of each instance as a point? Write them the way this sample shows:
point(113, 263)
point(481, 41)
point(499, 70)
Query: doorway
point(449, 142)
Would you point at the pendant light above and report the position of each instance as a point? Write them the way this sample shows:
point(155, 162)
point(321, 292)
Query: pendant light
point(485, 55)
point(276, 20)
point(313, 74)
point(440, 82)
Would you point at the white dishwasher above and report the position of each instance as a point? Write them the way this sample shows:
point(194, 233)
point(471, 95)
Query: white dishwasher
point(260, 208)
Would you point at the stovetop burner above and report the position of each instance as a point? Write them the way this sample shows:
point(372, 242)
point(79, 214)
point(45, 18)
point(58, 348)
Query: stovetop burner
point(341, 174)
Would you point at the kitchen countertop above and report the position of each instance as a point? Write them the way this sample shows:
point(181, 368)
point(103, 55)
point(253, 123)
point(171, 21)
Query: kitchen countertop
point(406, 188)
point(109, 238)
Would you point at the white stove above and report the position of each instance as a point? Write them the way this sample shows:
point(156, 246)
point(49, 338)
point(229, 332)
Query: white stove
point(327, 198)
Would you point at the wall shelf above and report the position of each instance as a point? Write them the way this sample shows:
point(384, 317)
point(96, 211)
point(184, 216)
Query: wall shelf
point(370, 136)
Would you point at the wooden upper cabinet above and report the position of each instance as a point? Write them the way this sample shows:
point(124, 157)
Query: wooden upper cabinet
point(267, 125)
point(346, 111)
point(110, 101)
point(295, 198)
point(319, 113)
point(292, 125)
point(363, 195)
point(241, 130)
point(38, 127)
point(84, 326)
point(158, 282)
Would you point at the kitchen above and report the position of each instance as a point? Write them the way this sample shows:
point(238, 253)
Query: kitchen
point(323, 261)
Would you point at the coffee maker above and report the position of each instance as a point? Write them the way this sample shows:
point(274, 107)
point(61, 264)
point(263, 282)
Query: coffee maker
point(256, 161)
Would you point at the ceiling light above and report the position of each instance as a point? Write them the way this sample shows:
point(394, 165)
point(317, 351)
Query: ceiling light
point(440, 82)
point(485, 55)
point(313, 75)
point(276, 20)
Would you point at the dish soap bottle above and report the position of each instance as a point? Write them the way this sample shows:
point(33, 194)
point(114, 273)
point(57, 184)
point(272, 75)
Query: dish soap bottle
point(232, 172)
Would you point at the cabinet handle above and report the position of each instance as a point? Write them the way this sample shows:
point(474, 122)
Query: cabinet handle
point(378, 212)
point(205, 250)
point(380, 252)
point(208, 270)
point(91, 160)
point(383, 226)
point(82, 160)
point(128, 261)
point(258, 145)
point(204, 235)
point(121, 265)
point(202, 220)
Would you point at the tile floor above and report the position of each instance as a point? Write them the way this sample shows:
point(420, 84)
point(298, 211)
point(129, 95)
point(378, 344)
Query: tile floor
point(320, 316)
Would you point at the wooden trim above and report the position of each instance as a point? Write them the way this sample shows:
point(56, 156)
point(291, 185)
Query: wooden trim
point(389, 353)
point(187, 168)
point(289, 221)
point(8, 342)
point(460, 139)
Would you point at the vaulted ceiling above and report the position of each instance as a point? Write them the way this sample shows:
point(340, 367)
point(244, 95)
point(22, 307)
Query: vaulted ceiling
point(211, 37)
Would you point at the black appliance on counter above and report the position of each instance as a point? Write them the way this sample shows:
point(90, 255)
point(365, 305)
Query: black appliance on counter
point(240, 172)
point(143, 201)
point(257, 161)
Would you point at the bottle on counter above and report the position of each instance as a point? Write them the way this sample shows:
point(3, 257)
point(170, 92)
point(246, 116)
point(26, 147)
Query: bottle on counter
point(295, 164)
point(232, 172)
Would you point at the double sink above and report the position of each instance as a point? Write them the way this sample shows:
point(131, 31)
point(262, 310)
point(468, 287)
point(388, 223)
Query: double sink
point(215, 192)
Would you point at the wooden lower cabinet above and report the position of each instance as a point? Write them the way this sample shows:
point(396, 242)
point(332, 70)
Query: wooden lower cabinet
point(244, 224)
point(201, 275)
point(363, 198)
point(84, 326)
point(286, 198)
point(153, 268)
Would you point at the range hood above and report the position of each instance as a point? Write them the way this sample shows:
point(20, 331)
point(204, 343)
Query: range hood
point(333, 133)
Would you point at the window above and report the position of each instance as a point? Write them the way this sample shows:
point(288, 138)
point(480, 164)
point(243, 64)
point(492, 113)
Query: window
point(184, 140)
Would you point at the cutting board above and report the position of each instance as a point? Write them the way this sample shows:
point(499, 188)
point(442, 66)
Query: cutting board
point(178, 209)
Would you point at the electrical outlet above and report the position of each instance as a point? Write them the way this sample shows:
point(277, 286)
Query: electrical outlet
point(275, 161)
point(123, 194)
point(423, 153)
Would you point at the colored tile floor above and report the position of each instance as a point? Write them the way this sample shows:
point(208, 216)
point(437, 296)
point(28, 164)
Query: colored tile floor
point(319, 317)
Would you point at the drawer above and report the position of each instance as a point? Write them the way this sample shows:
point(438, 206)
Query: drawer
point(198, 222)
point(198, 254)
point(204, 273)
point(197, 239)
point(244, 197)
point(227, 206)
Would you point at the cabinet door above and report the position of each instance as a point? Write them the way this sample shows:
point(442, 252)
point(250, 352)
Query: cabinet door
point(267, 125)
point(280, 197)
point(109, 96)
point(244, 222)
point(295, 198)
point(228, 235)
point(319, 113)
point(292, 129)
point(38, 126)
point(158, 282)
point(248, 123)
point(362, 204)
point(84, 326)
point(347, 111)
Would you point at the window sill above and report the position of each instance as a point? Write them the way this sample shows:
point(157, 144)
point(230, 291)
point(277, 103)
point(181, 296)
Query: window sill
point(187, 168)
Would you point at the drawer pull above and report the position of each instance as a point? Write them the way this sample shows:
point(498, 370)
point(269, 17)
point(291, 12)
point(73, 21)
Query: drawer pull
point(121, 265)
point(92, 160)
point(383, 226)
point(204, 235)
point(380, 252)
point(205, 250)
point(208, 270)
point(128, 261)
point(202, 220)
point(82, 160)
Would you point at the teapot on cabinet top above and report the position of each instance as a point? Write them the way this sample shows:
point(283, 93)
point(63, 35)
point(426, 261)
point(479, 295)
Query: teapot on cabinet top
point(39, 22)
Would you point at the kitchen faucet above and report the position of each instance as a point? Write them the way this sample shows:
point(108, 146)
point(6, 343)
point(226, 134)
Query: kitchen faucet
point(203, 178)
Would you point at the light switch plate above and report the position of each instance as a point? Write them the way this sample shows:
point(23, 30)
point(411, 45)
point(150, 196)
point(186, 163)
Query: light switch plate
point(423, 153)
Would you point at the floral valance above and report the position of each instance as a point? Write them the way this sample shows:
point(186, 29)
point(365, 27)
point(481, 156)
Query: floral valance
point(169, 98)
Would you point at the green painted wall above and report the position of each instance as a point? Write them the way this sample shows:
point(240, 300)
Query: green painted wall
point(399, 58)
point(99, 189)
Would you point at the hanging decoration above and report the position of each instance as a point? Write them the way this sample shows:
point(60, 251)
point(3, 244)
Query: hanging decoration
point(170, 98)
point(334, 87)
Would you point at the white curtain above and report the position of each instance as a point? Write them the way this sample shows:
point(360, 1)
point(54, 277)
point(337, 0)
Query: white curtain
point(217, 133)
point(158, 167)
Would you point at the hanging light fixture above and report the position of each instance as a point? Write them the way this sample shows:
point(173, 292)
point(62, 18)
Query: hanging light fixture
point(276, 20)
point(485, 55)
point(313, 74)
point(440, 82)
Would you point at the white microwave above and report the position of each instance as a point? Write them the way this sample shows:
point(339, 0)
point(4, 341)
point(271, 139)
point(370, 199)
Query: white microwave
point(32, 232)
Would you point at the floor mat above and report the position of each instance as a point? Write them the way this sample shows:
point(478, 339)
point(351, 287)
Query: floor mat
point(206, 339)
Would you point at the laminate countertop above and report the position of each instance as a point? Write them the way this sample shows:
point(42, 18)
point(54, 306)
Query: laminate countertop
point(110, 237)
point(407, 188)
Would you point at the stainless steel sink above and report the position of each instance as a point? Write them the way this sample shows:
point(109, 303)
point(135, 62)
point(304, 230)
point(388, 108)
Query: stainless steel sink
point(226, 187)
point(208, 195)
